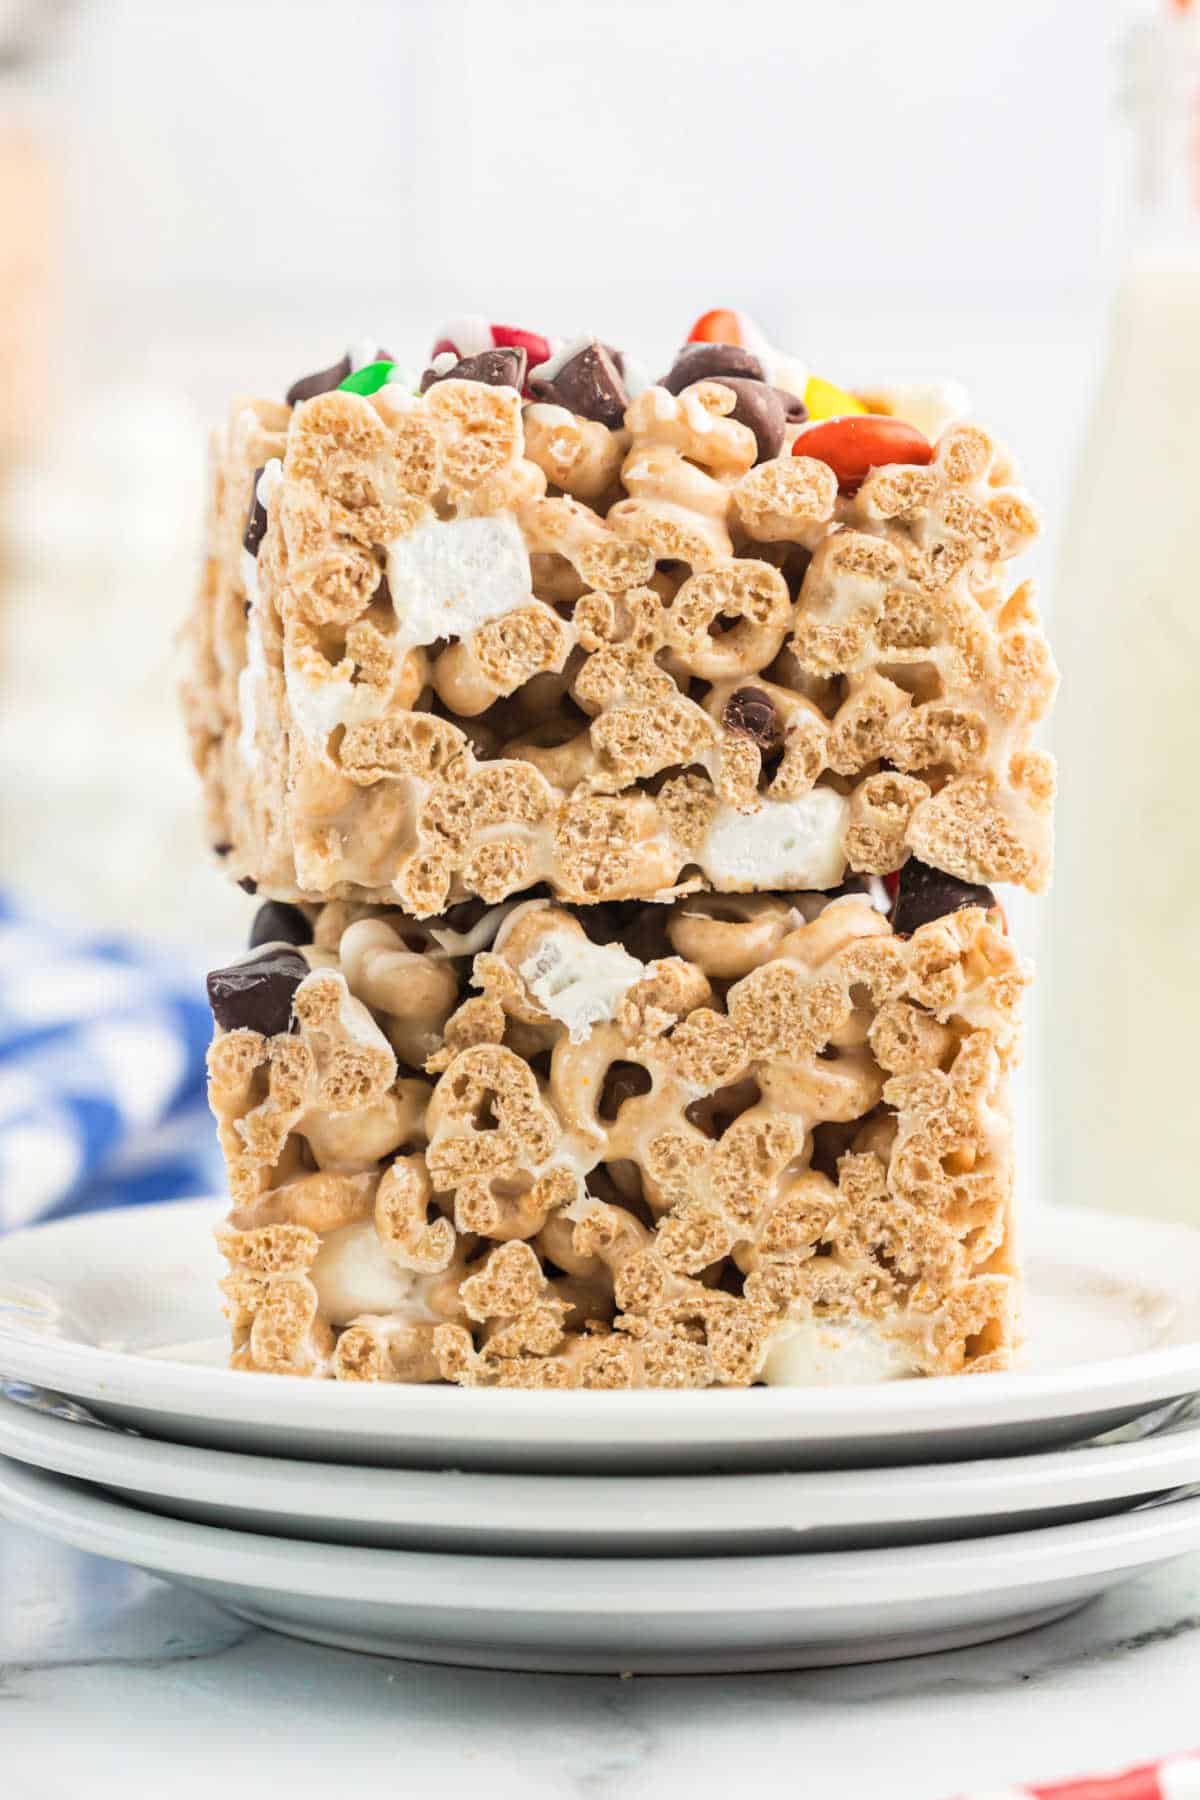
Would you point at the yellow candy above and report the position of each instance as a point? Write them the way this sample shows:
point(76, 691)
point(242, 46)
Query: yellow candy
point(824, 401)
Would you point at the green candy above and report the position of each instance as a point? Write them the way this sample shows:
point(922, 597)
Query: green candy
point(367, 380)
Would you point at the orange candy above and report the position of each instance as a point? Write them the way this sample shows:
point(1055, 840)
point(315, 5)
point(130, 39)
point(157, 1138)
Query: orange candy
point(854, 446)
point(718, 327)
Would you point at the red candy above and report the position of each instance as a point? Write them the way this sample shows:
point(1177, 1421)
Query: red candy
point(718, 327)
point(511, 337)
point(855, 445)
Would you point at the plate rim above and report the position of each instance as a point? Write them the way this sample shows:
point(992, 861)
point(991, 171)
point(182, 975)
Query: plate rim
point(996, 1486)
point(842, 1414)
point(848, 1579)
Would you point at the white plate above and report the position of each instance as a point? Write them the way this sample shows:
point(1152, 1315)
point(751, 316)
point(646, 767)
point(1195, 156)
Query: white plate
point(92, 1306)
point(607, 1515)
point(640, 1614)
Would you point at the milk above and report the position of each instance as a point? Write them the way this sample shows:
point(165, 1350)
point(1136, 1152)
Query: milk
point(1123, 969)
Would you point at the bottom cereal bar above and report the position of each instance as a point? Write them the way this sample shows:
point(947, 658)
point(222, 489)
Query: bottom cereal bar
point(728, 1140)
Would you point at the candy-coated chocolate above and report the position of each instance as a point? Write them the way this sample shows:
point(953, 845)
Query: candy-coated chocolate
point(367, 380)
point(721, 326)
point(536, 347)
point(824, 400)
point(854, 446)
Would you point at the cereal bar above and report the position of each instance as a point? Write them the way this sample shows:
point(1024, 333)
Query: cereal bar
point(716, 1141)
point(528, 620)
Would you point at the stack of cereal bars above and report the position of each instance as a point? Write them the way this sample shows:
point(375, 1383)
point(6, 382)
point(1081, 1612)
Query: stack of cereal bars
point(624, 767)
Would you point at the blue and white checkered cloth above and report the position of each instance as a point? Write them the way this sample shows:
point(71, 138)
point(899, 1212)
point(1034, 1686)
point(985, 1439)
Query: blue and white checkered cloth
point(102, 1043)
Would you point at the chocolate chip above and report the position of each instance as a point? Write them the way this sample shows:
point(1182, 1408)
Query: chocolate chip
point(600, 924)
point(256, 518)
point(752, 714)
point(257, 994)
point(322, 382)
point(464, 914)
point(276, 922)
point(796, 565)
point(498, 368)
point(248, 884)
point(926, 894)
point(588, 384)
point(761, 408)
point(624, 1081)
point(705, 362)
point(643, 931)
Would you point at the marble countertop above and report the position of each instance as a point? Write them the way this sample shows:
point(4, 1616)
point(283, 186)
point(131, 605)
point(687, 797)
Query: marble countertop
point(112, 1683)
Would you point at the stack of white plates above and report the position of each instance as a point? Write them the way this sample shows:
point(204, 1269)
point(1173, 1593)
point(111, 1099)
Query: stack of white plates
point(662, 1532)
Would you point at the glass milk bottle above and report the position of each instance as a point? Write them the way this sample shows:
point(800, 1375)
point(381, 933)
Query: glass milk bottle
point(1123, 963)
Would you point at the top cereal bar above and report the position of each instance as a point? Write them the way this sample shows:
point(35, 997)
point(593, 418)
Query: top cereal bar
point(530, 619)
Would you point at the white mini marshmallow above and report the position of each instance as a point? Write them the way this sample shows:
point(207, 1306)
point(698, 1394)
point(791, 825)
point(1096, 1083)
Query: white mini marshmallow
point(929, 405)
point(353, 1274)
point(470, 333)
point(319, 702)
point(785, 844)
point(250, 681)
point(829, 1353)
point(449, 576)
point(580, 983)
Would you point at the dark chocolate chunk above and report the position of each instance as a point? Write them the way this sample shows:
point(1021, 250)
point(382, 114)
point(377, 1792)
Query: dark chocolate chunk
point(248, 884)
point(623, 1081)
point(256, 518)
point(498, 368)
point(600, 924)
point(276, 922)
point(796, 564)
point(257, 994)
point(643, 930)
point(708, 362)
point(588, 384)
point(926, 894)
point(322, 382)
point(752, 714)
point(761, 408)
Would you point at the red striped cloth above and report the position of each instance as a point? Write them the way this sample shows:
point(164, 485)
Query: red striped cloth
point(1174, 1778)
